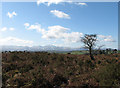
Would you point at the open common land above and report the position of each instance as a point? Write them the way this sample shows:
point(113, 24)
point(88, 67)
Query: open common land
point(48, 70)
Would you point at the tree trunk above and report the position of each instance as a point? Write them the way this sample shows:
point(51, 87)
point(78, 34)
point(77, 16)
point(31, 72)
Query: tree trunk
point(91, 55)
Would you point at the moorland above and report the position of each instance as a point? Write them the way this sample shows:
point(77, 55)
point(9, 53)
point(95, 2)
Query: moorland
point(22, 69)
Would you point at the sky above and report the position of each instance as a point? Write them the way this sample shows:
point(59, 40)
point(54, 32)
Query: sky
point(60, 24)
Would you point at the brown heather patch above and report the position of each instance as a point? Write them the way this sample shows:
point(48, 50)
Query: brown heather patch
point(42, 69)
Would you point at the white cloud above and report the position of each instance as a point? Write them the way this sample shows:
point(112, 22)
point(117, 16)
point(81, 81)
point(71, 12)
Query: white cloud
point(26, 24)
point(58, 27)
point(62, 33)
point(36, 27)
point(14, 41)
point(82, 4)
point(5, 29)
point(73, 37)
point(57, 32)
point(106, 38)
point(49, 2)
point(10, 15)
point(60, 14)
point(11, 29)
point(54, 32)
point(109, 40)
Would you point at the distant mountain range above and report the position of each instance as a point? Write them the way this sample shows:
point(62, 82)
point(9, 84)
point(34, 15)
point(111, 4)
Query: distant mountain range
point(39, 48)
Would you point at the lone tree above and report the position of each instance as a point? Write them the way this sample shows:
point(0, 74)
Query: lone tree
point(89, 43)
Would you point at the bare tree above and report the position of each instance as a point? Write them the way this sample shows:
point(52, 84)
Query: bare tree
point(99, 47)
point(89, 43)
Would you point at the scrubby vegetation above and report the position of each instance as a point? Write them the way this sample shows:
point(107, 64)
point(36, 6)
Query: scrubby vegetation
point(52, 70)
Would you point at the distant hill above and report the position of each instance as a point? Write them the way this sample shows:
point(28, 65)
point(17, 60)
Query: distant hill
point(39, 48)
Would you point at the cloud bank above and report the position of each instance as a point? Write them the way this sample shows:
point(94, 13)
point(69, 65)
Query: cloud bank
point(15, 41)
point(63, 33)
point(50, 2)
point(56, 32)
point(106, 38)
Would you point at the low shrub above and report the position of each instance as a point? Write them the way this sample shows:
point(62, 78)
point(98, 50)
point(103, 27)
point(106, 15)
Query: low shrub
point(108, 75)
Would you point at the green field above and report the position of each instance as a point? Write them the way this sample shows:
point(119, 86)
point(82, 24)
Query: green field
point(79, 52)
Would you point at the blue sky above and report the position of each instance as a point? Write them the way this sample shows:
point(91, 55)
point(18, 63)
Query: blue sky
point(30, 24)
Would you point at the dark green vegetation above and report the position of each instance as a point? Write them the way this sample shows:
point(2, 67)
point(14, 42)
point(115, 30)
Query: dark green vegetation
point(51, 70)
